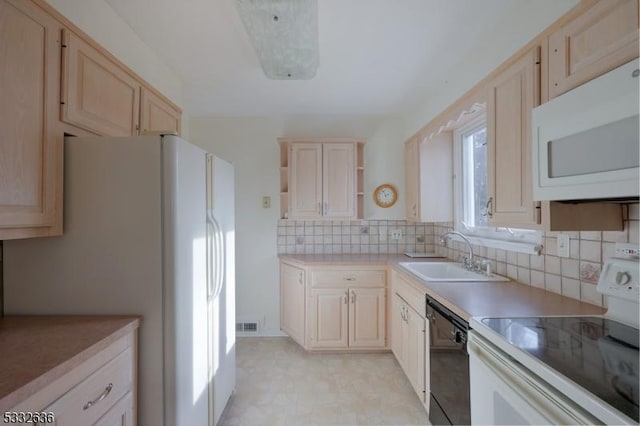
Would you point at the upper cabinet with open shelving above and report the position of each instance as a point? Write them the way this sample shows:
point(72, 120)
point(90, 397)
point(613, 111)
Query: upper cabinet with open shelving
point(321, 179)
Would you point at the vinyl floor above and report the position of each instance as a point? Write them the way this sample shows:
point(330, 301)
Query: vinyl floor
point(279, 383)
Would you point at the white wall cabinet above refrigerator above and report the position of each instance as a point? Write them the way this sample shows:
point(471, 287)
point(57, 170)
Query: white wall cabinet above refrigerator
point(321, 179)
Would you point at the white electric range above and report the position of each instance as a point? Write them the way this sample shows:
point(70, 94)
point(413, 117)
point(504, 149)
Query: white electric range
point(561, 369)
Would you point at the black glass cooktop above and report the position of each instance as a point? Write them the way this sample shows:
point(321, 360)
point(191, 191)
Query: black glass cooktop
point(600, 355)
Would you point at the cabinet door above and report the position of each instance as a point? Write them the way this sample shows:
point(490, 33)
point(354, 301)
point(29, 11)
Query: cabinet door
point(121, 414)
point(416, 349)
point(305, 183)
point(329, 318)
point(157, 115)
point(98, 95)
point(30, 145)
point(339, 173)
point(367, 317)
point(599, 40)
point(292, 302)
point(412, 159)
point(397, 325)
point(511, 99)
point(436, 178)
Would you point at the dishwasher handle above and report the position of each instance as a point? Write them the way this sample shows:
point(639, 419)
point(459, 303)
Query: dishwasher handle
point(458, 323)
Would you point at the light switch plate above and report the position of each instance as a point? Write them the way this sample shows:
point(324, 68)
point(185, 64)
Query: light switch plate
point(266, 202)
point(563, 245)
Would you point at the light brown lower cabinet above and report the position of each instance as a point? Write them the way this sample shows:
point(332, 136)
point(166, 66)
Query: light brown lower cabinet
point(334, 307)
point(410, 335)
point(292, 298)
point(101, 391)
point(348, 317)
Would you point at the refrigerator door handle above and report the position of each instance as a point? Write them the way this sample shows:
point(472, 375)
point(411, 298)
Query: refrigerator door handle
point(211, 250)
point(218, 257)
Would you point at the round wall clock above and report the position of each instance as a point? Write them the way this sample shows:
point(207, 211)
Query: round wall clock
point(385, 195)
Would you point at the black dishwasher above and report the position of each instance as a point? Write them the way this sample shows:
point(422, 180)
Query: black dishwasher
point(449, 366)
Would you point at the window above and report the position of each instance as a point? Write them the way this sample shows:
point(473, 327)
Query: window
point(472, 193)
point(474, 172)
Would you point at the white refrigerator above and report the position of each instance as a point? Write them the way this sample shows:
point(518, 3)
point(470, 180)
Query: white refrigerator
point(148, 230)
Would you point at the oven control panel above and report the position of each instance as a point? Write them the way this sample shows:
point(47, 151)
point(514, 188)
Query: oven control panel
point(620, 278)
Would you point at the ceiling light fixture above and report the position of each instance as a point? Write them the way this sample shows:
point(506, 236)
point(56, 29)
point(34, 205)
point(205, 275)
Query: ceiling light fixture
point(284, 34)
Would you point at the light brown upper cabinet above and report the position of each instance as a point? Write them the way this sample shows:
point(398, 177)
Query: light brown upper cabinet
point(412, 179)
point(512, 95)
point(429, 178)
point(597, 41)
point(30, 145)
point(156, 114)
point(321, 180)
point(98, 95)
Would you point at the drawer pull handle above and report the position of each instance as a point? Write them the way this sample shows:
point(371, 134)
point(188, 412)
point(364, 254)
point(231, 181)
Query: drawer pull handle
point(102, 396)
point(350, 278)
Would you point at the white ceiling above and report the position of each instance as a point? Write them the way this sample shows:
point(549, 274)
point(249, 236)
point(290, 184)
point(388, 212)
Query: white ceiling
point(376, 56)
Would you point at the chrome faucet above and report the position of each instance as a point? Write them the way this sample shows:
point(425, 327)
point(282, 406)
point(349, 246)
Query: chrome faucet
point(443, 239)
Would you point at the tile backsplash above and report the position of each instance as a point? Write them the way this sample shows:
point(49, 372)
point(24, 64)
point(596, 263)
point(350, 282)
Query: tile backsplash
point(575, 276)
point(355, 236)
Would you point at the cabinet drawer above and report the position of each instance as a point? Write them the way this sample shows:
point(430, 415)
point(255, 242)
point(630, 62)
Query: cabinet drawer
point(409, 294)
point(333, 278)
point(91, 399)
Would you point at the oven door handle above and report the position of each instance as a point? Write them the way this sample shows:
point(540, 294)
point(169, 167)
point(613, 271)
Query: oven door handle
point(544, 399)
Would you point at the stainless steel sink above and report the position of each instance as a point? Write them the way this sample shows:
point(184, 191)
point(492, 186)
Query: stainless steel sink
point(447, 271)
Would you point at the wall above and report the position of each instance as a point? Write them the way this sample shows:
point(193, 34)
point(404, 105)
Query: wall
point(575, 276)
point(250, 143)
point(100, 22)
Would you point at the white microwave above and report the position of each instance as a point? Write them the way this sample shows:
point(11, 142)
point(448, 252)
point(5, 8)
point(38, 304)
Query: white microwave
point(585, 142)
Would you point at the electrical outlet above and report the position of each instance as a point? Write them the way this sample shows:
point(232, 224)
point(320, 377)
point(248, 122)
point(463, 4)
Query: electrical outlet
point(627, 250)
point(563, 245)
point(396, 234)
